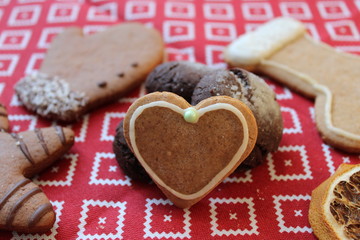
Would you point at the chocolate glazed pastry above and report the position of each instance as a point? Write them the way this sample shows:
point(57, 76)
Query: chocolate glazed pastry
point(126, 159)
point(258, 96)
point(178, 77)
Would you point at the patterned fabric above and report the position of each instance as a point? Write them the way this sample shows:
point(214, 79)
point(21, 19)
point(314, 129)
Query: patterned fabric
point(95, 200)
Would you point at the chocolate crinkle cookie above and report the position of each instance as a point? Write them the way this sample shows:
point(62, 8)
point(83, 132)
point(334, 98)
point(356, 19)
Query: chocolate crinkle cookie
point(178, 77)
point(258, 96)
point(126, 159)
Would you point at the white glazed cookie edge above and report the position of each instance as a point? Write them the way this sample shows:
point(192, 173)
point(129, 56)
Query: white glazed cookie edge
point(201, 111)
point(252, 47)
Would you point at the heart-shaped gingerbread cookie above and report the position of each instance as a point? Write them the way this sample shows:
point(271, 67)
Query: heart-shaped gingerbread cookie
point(188, 150)
point(82, 72)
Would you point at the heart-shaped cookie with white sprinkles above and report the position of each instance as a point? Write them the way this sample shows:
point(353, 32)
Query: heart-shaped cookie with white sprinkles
point(188, 150)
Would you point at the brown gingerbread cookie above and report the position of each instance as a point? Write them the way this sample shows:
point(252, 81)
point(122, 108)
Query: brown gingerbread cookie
point(196, 82)
point(23, 205)
point(126, 158)
point(188, 150)
point(4, 122)
point(80, 73)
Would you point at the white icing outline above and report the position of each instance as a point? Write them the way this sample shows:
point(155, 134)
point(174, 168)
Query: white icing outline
point(319, 88)
point(328, 121)
point(201, 111)
point(304, 77)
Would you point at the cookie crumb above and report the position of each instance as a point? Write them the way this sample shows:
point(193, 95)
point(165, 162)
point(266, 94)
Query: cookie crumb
point(135, 65)
point(102, 84)
point(121, 75)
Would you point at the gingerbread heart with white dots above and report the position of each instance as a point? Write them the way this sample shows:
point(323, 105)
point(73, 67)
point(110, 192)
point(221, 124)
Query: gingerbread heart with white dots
point(188, 150)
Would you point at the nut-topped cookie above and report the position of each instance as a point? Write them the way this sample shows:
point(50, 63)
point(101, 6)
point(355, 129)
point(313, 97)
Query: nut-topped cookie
point(80, 73)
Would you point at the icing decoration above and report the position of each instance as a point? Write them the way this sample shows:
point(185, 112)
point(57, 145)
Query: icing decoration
point(60, 132)
point(40, 136)
point(201, 112)
point(252, 47)
point(23, 147)
point(318, 87)
point(328, 122)
point(191, 115)
point(39, 213)
point(23, 205)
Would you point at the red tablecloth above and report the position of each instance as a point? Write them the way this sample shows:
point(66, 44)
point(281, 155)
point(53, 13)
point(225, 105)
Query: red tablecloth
point(95, 200)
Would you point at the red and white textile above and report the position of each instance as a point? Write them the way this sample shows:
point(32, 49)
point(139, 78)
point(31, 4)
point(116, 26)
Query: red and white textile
point(92, 197)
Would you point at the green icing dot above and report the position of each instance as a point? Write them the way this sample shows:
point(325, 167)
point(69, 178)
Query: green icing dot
point(191, 115)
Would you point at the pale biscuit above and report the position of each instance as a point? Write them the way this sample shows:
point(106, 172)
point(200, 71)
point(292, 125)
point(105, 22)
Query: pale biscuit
point(186, 150)
point(282, 49)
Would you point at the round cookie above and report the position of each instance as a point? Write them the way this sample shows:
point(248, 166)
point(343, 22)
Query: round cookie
point(257, 95)
point(126, 158)
point(178, 77)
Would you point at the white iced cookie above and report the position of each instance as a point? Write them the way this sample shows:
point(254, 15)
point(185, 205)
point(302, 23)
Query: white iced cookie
point(284, 51)
point(251, 48)
point(188, 150)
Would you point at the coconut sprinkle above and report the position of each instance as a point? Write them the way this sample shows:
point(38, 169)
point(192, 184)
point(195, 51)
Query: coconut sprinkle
point(49, 95)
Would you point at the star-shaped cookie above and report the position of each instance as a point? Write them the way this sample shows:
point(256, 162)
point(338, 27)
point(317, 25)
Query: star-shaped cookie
point(23, 205)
